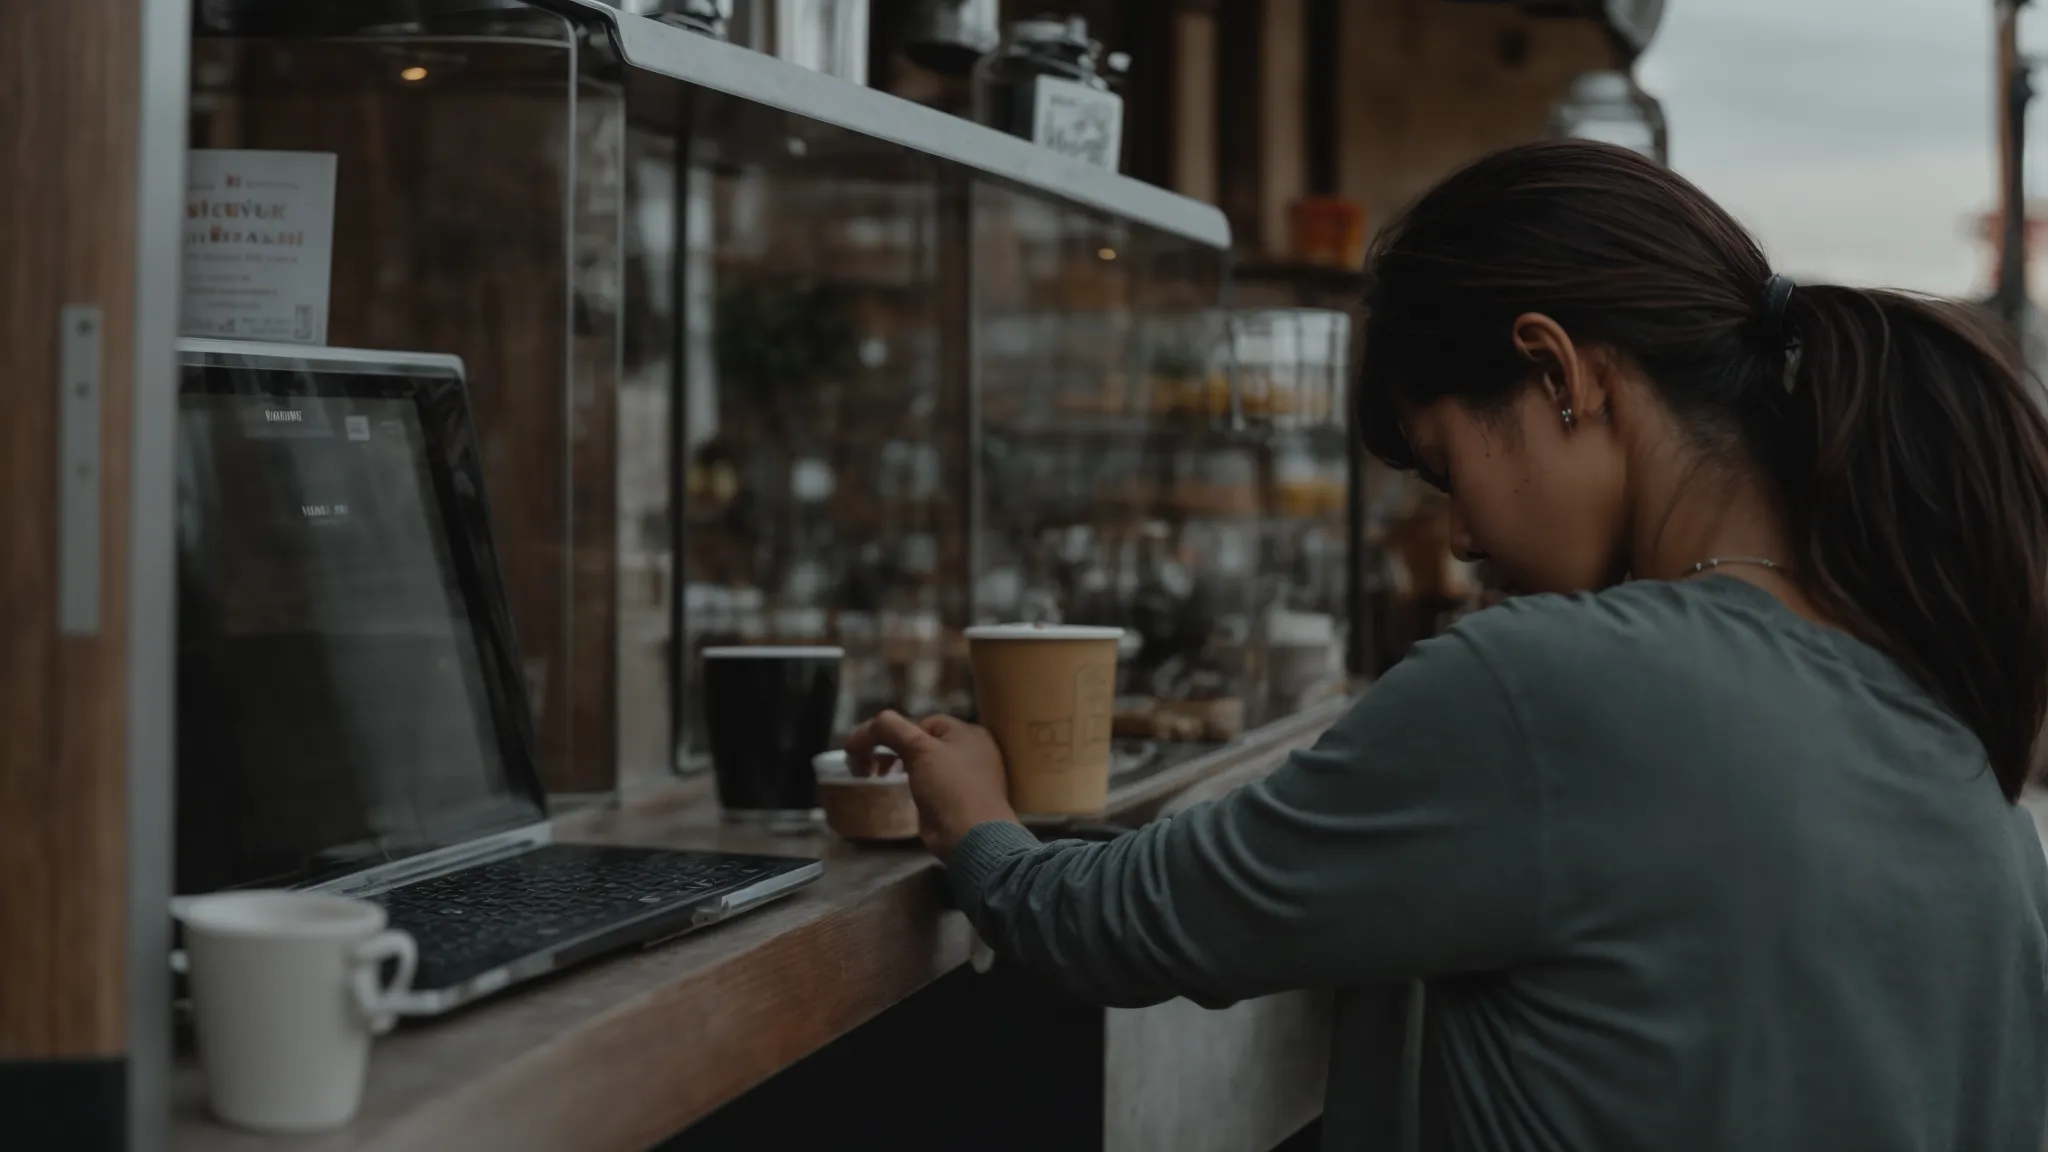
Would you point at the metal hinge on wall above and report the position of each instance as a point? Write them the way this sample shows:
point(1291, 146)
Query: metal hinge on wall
point(78, 470)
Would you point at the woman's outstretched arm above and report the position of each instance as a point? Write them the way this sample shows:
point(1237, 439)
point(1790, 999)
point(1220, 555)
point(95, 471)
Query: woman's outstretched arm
point(1407, 842)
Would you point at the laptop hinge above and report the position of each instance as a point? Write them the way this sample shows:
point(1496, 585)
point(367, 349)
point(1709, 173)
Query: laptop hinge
point(439, 862)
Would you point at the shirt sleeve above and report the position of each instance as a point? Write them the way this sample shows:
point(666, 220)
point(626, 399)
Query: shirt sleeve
point(1406, 843)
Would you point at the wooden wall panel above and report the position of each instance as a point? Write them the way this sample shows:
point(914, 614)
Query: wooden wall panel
point(1424, 87)
point(68, 124)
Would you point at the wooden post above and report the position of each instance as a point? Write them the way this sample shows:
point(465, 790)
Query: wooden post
point(92, 96)
point(1146, 29)
point(1281, 102)
point(1194, 104)
point(2014, 92)
point(1240, 79)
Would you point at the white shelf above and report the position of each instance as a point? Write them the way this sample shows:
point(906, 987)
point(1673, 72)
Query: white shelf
point(666, 50)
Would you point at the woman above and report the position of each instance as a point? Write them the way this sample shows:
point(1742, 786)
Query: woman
point(1713, 846)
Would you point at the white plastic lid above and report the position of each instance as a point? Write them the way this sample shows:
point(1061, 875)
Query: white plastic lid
point(1300, 629)
point(772, 652)
point(832, 766)
point(1043, 632)
point(1040, 31)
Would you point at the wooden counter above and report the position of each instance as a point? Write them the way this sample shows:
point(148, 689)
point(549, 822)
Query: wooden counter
point(616, 1055)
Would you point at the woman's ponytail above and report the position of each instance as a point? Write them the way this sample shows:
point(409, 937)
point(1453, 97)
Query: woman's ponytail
point(1902, 439)
point(1913, 456)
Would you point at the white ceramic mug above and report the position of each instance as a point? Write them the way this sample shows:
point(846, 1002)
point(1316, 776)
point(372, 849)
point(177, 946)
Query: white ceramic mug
point(286, 992)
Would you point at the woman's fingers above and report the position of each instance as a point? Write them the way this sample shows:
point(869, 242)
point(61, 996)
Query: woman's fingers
point(861, 744)
point(888, 729)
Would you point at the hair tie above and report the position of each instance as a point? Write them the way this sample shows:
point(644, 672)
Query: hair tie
point(1777, 335)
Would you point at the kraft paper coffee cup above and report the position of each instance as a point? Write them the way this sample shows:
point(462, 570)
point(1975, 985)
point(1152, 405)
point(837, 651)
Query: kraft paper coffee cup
point(1048, 695)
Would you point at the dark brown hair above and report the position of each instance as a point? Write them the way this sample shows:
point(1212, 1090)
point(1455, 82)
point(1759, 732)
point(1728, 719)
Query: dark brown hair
point(1909, 457)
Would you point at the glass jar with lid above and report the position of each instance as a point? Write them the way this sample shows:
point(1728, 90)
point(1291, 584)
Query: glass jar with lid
point(1047, 47)
point(705, 17)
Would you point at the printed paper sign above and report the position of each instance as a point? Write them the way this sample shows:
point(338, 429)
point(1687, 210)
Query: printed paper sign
point(1075, 120)
point(259, 244)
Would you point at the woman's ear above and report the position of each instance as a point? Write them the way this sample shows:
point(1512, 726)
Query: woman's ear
point(1572, 377)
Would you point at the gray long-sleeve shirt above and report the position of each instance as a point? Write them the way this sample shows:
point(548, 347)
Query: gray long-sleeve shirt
point(1681, 869)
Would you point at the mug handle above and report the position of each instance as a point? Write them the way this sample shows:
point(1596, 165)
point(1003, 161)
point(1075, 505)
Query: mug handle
point(181, 964)
point(380, 1004)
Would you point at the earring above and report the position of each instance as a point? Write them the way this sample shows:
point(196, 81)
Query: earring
point(1569, 419)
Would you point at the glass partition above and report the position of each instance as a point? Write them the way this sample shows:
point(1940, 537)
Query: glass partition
point(477, 212)
point(818, 465)
point(1118, 484)
point(910, 395)
point(1292, 380)
point(763, 357)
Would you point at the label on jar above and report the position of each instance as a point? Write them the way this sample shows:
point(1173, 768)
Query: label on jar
point(1078, 121)
point(259, 244)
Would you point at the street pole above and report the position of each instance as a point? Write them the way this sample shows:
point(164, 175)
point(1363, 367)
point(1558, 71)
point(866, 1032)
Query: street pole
point(2015, 89)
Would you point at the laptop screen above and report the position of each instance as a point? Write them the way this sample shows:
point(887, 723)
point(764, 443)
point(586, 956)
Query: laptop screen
point(348, 686)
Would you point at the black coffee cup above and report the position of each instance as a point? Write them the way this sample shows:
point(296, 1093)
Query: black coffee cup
point(768, 712)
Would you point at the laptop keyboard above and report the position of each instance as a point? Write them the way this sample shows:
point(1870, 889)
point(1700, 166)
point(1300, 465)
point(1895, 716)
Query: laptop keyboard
point(469, 922)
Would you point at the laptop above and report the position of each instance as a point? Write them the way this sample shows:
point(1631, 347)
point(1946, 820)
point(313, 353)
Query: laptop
point(352, 709)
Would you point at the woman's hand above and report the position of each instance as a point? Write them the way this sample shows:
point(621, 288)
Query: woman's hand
point(956, 773)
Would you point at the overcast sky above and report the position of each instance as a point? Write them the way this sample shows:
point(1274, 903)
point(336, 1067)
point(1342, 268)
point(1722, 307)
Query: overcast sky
point(1853, 136)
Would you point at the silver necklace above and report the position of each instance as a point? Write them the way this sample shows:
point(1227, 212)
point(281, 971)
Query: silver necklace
point(1713, 562)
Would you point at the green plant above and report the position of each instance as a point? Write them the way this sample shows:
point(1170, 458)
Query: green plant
point(782, 333)
point(1179, 363)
